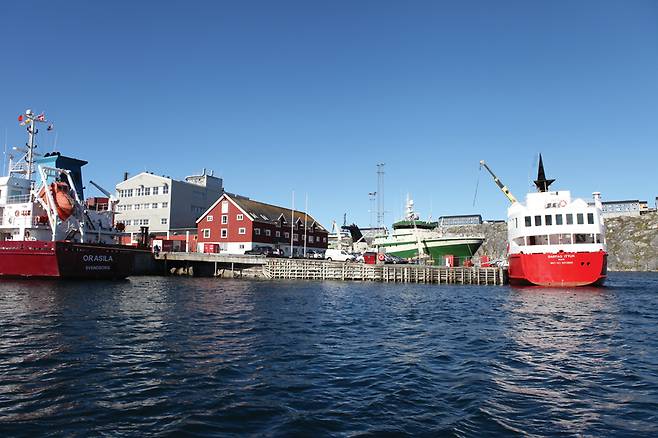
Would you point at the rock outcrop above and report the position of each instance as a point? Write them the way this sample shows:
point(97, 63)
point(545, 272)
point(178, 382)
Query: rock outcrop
point(632, 241)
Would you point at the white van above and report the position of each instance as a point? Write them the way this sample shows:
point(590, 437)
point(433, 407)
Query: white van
point(339, 255)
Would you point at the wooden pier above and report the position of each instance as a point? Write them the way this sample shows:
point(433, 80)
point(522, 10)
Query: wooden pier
point(299, 269)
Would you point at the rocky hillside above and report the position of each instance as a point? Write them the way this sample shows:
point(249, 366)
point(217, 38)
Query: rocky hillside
point(632, 241)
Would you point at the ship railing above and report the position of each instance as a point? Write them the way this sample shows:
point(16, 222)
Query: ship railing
point(18, 199)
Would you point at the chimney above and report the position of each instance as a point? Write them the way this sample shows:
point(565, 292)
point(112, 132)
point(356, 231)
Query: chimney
point(125, 176)
point(597, 200)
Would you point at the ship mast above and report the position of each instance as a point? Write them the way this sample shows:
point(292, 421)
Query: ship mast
point(500, 185)
point(30, 119)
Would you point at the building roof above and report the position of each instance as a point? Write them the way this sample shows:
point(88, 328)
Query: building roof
point(262, 212)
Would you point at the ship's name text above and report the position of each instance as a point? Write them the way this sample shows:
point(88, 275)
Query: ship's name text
point(97, 258)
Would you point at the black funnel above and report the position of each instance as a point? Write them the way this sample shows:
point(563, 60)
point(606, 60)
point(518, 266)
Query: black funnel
point(541, 182)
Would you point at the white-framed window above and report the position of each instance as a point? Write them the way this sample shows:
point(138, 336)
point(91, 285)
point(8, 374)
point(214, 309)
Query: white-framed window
point(146, 206)
point(154, 205)
point(165, 205)
point(224, 233)
point(268, 232)
point(310, 239)
point(163, 221)
point(156, 190)
point(206, 233)
point(224, 206)
point(277, 233)
point(239, 217)
point(147, 191)
point(165, 189)
point(242, 230)
point(286, 235)
point(257, 231)
point(295, 237)
point(138, 206)
point(225, 218)
point(139, 191)
point(209, 218)
point(242, 246)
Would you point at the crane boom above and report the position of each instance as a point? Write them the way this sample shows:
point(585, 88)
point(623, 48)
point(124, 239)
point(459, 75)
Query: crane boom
point(105, 192)
point(499, 183)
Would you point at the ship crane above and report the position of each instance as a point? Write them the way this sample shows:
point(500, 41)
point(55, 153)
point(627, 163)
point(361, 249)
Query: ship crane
point(499, 183)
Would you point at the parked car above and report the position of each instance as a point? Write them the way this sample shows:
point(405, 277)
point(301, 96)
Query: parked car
point(339, 255)
point(311, 254)
point(260, 250)
point(395, 260)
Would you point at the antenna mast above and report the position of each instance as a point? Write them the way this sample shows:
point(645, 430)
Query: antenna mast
point(380, 195)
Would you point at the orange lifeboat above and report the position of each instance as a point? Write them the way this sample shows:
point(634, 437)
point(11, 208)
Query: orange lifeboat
point(64, 204)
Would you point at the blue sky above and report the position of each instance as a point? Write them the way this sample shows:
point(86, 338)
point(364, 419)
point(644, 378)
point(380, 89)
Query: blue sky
point(309, 96)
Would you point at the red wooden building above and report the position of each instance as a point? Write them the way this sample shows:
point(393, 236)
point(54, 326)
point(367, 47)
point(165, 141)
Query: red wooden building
point(235, 224)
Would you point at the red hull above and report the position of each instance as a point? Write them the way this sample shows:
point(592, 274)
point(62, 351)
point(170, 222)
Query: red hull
point(37, 259)
point(564, 269)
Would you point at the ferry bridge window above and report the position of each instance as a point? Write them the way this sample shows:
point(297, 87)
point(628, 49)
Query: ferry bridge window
point(549, 219)
point(519, 241)
point(598, 238)
point(558, 219)
point(590, 218)
point(537, 221)
point(560, 239)
point(516, 222)
point(569, 219)
point(580, 218)
point(583, 238)
point(538, 240)
point(528, 221)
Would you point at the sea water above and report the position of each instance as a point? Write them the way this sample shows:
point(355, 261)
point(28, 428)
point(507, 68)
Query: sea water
point(209, 357)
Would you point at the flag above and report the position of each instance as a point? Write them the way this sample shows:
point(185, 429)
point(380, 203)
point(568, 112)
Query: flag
point(51, 127)
point(20, 118)
point(41, 117)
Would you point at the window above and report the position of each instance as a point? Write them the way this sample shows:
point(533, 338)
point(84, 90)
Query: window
point(165, 205)
point(268, 232)
point(242, 230)
point(225, 219)
point(583, 238)
point(147, 191)
point(537, 221)
point(242, 246)
point(206, 233)
point(310, 239)
point(548, 219)
point(277, 233)
point(156, 190)
point(146, 206)
point(138, 206)
point(580, 218)
point(519, 241)
point(129, 193)
point(559, 239)
point(163, 221)
point(590, 218)
point(138, 191)
point(569, 219)
point(286, 235)
point(209, 218)
point(154, 205)
point(257, 231)
point(538, 240)
point(239, 217)
point(224, 206)
point(224, 233)
point(165, 189)
point(295, 237)
point(558, 219)
point(528, 221)
point(516, 222)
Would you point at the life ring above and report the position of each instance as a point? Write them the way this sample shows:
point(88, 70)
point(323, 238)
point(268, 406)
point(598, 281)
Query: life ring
point(381, 257)
point(562, 203)
point(17, 213)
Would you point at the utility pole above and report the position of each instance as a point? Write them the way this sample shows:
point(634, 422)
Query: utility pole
point(380, 195)
point(372, 198)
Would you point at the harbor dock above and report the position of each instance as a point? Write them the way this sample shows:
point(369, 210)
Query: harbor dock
point(202, 264)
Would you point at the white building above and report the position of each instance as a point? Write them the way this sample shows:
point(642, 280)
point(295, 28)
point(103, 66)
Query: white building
point(162, 203)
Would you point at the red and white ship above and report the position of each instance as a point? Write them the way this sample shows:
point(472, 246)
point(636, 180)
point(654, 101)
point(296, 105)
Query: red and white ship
point(45, 229)
point(554, 240)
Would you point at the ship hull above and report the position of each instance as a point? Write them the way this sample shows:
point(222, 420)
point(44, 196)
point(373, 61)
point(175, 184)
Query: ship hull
point(65, 260)
point(437, 249)
point(564, 269)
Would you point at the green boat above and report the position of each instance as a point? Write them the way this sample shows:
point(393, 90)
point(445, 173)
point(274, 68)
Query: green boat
point(413, 238)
